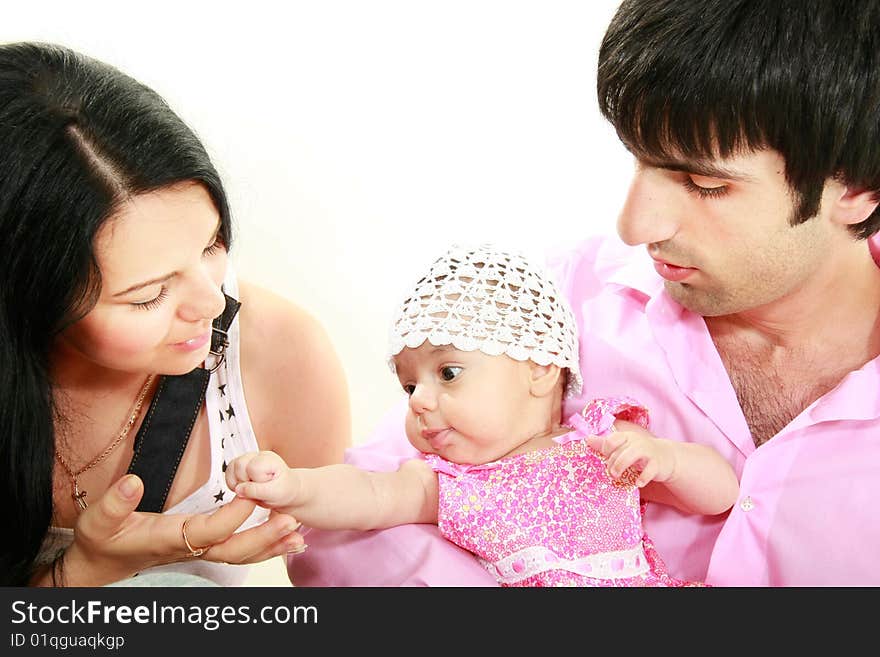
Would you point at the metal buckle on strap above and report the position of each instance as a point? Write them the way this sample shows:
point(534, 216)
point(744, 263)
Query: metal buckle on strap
point(219, 342)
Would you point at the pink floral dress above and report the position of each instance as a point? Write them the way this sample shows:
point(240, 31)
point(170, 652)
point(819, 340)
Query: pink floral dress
point(553, 517)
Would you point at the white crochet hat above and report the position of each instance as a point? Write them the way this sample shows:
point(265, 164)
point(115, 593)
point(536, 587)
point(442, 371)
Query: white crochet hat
point(489, 299)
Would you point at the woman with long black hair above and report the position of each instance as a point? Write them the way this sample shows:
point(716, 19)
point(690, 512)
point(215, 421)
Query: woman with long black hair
point(125, 360)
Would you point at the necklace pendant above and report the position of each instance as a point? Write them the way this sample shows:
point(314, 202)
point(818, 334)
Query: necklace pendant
point(79, 496)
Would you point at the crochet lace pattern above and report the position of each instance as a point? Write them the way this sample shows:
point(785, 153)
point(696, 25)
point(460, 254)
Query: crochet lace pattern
point(493, 300)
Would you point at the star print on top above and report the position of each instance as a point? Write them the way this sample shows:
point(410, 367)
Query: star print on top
point(231, 434)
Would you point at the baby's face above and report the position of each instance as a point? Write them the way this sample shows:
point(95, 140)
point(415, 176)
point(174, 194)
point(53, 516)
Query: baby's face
point(465, 406)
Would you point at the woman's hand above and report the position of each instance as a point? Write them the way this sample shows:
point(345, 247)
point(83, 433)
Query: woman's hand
point(112, 541)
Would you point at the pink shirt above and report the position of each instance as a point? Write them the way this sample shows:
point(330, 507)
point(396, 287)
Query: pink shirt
point(805, 515)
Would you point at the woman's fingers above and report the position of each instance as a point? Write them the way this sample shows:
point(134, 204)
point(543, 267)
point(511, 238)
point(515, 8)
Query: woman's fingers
point(292, 542)
point(112, 526)
point(203, 531)
point(275, 536)
point(283, 547)
point(106, 517)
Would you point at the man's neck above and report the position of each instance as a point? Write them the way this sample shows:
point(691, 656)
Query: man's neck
point(837, 309)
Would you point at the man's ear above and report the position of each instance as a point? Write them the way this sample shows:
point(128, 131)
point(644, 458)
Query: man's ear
point(543, 378)
point(851, 205)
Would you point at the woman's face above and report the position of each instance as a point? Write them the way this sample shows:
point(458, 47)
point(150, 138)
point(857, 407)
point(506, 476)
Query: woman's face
point(162, 263)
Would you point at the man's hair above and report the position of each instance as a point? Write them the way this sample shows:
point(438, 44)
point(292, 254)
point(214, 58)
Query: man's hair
point(718, 77)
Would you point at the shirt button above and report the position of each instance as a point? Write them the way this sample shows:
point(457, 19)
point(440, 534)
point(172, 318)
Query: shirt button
point(747, 504)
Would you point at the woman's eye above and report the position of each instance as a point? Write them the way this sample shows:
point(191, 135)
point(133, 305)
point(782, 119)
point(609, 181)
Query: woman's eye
point(216, 246)
point(704, 191)
point(153, 303)
point(449, 372)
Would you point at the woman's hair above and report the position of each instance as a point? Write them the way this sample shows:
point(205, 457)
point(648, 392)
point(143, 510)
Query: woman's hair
point(716, 77)
point(77, 138)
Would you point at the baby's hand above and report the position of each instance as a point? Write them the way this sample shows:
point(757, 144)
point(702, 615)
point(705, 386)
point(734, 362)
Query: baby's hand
point(263, 477)
point(631, 446)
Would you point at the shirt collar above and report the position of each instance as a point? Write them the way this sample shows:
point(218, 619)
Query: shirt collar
point(629, 267)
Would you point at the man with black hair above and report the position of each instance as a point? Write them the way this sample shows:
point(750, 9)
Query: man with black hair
point(754, 325)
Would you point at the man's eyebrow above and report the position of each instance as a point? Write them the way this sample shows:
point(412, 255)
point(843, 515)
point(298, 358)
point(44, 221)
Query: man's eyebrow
point(698, 168)
point(152, 281)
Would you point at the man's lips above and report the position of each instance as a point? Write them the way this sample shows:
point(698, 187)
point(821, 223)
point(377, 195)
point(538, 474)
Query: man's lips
point(672, 272)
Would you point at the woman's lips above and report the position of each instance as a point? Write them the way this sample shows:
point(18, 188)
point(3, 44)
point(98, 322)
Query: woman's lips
point(193, 343)
point(671, 272)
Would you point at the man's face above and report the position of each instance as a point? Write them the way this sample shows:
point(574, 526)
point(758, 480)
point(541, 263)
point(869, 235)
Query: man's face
point(719, 231)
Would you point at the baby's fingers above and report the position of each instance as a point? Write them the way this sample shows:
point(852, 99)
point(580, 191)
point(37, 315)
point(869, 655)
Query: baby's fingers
point(606, 445)
point(265, 466)
point(264, 492)
point(249, 489)
point(648, 474)
point(619, 461)
point(237, 470)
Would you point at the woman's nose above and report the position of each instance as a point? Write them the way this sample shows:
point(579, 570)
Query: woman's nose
point(204, 299)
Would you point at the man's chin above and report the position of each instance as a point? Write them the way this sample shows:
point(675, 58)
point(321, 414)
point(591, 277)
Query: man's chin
point(699, 302)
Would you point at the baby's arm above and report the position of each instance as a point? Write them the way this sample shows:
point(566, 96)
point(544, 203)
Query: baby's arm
point(337, 496)
point(694, 478)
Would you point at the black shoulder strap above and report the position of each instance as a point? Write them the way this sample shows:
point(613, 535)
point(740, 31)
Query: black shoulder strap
point(165, 431)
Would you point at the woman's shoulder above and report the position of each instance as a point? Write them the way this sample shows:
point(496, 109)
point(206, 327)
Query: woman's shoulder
point(278, 337)
point(292, 376)
point(270, 320)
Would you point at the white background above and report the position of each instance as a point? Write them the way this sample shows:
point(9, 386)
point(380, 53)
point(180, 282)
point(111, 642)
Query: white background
point(358, 139)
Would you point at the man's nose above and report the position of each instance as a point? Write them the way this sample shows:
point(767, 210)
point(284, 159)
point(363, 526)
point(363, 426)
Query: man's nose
point(650, 213)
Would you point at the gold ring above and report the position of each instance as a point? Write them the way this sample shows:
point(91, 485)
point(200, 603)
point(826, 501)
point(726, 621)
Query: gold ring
point(193, 551)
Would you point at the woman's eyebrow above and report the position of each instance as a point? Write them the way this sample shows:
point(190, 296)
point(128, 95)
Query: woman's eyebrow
point(167, 277)
point(152, 281)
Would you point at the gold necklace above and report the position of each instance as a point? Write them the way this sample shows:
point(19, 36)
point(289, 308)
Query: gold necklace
point(80, 495)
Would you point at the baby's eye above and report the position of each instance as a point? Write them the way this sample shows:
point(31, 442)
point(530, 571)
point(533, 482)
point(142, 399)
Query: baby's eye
point(409, 388)
point(449, 372)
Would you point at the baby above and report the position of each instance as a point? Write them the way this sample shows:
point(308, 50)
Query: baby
point(485, 347)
